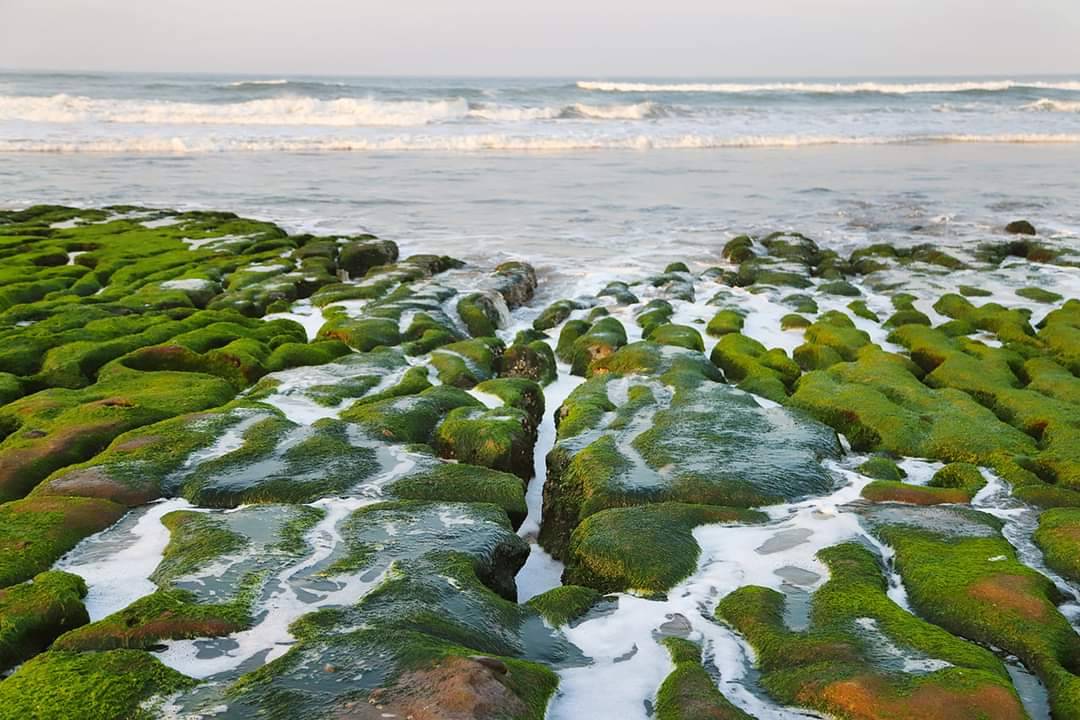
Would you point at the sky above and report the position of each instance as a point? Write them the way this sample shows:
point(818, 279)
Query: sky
point(693, 38)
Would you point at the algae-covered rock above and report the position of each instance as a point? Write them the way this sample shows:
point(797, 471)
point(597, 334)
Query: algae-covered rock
point(962, 575)
point(89, 686)
point(534, 360)
point(34, 613)
point(601, 340)
point(501, 439)
point(464, 364)
point(36, 532)
point(1039, 295)
point(678, 335)
point(57, 427)
point(864, 656)
point(519, 393)
point(212, 571)
point(725, 322)
point(277, 461)
point(555, 314)
point(646, 549)
point(655, 425)
point(1058, 536)
point(461, 482)
point(748, 363)
point(436, 630)
point(954, 483)
point(564, 604)
point(1020, 227)
point(361, 255)
point(689, 692)
point(653, 314)
point(881, 468)
point(410, 418)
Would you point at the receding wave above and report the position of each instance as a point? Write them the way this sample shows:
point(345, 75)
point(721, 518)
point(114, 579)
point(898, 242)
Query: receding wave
point(276, 111)
point(500, 142)
point(342, 112)
point(828, 88)
point(1048, 105)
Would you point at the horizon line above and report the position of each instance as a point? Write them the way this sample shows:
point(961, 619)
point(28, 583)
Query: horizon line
point(529, 76)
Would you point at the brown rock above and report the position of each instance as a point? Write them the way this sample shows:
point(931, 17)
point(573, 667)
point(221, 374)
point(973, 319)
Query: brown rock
point(458, 688)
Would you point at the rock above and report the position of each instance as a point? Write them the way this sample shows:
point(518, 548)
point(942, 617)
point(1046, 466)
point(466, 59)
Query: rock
point(33, 614)
point(1020, 227)
point(870, 645)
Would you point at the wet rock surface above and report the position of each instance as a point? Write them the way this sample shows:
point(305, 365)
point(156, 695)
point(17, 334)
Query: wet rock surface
point(247, 473)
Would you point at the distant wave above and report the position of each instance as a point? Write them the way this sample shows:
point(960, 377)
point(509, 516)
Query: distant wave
point(307, 111)
point(502, 142)
point(282, 84)
point(1048, 105)
point(343, 112)
point(242, 83)
point(826, 88)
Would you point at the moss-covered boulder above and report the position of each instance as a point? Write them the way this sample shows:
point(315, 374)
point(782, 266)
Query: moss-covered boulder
point(689, 691)
point(88, 686)
point(501, 439)
point(961, 574)
point(864, 656)
point(34, 613)
point(645, 549)
point(36, 532)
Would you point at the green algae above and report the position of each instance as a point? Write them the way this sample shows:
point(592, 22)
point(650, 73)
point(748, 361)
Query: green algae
point(689, 692)
point(973, 585)
point(36, 532)
point(76, 686)
point(564, 604)
point(1058, 536)
point(645, 549)
point(500, 439)
point(33, 614)
point(853, 659)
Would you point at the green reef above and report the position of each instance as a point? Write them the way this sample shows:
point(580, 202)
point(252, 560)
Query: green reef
point(346, 440)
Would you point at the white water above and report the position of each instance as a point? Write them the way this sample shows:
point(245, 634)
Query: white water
point(117, 563)
point(270, 636)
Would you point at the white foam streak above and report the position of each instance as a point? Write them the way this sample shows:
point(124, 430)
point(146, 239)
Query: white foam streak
point(828, 88)
point(490, 142)
point(280, 111)
point(1048, 105)
point(117, 563)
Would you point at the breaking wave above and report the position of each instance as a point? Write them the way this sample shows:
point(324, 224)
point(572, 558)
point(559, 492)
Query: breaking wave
point(1048, 105)
point(342, 112)
point(502, 142)
point(826, 88)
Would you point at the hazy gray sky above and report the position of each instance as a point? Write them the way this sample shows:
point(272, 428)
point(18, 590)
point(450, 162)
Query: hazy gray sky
point(546, 37)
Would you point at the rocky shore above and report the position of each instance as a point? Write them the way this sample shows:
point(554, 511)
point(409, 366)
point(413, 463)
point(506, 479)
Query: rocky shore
point(251, 474)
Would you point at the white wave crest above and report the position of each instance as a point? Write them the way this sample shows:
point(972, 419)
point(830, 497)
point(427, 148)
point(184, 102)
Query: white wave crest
point(242, 83)
point(499, 113)
point(294, 111)
point(502, 142)
point(343, 112)
point(826, 88)
point(637, 111)
point(1048, 105)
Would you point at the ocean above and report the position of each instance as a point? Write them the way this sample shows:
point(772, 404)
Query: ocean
point(578, 168)
point(610, 172)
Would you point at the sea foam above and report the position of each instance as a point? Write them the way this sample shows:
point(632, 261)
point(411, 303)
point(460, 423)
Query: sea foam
point(481, 142)
point(817, 87)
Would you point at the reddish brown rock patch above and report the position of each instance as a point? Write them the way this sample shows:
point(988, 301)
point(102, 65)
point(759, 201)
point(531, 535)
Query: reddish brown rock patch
point(1013, 593)
point(871, 698)
point(458, 688)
